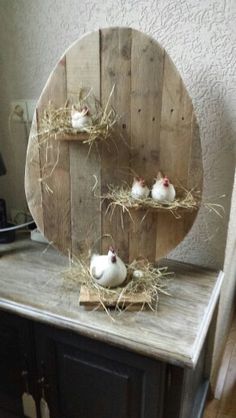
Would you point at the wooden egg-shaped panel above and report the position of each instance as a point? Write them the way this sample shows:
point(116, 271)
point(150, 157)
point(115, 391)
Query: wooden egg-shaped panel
point(156, 130)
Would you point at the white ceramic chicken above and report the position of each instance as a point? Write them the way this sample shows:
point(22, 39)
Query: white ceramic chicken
point(81, 119)
point(139, 189)
point(162, 190)
point(108, 270)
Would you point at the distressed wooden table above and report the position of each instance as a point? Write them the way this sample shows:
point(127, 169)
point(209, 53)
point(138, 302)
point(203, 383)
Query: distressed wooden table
point(177, 337)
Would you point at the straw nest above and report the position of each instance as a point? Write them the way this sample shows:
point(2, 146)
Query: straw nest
point(142, 277)
point(186, 201)
point(120, 197)
point(56, 122)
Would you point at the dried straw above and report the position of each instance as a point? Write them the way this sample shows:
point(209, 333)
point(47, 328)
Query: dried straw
point(186, 200)
point(57, 121)
point(149, 280)
point(120, 197)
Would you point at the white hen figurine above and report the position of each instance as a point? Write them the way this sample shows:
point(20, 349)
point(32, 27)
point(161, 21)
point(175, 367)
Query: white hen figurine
point(163, 191)
point(81, 119)
point(139, 189)
point(108, 270)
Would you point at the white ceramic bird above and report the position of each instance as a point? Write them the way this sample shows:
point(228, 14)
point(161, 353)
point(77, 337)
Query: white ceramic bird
point(162, 190)
point(108, 270)
point(81, 119)
point(139, 189)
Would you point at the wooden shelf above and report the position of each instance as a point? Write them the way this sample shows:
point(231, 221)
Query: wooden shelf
point(164, 208)
point(90, 299)
point(80, 137)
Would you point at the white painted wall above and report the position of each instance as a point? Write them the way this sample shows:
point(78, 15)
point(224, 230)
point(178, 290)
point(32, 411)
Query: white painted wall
point(200, 37)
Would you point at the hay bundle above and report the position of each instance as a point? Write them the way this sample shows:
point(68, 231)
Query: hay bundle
point(120, 197)
point(142, 277)
point(57, 121)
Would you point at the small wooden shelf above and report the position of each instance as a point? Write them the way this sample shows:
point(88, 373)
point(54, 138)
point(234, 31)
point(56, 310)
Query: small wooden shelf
point(79, 136)
point(90, 299)
point(176, 207)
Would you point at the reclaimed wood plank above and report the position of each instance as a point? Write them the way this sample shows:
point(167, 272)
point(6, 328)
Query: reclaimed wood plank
point(116, 72)
point(83, 72)
point(72, 137)
point(176, 125)
point(33, 188)
point(146, 103)
point(180, 153)
point(54, 166)
point(89, 297)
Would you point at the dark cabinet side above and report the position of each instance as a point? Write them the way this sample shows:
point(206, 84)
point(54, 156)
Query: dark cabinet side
point(16, 363)
point(84, 378)
point(80, 377)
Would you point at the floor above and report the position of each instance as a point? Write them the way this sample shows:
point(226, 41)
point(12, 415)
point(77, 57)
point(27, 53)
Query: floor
point(225, 404)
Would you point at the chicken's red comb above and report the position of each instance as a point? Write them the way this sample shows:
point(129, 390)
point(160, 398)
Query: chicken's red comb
point(166, 181)
point(86, 110)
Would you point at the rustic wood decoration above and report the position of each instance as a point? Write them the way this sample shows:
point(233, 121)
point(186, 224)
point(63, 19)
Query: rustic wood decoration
point(67, 137)
point(156, 130)
point(90, 299)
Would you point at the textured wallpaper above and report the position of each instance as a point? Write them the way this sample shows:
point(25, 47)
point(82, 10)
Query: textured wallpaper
point(199, 36)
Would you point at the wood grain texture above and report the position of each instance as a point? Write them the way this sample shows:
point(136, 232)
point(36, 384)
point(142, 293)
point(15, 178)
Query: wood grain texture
point(180, 157)
point(68, 137)
point(31, 284)
point(116, 71)
point(33, 188)
point(83, 71)
point(90, 298)
point(192, 382)
point(146, 105)
point(56, 187)
point(156, 130)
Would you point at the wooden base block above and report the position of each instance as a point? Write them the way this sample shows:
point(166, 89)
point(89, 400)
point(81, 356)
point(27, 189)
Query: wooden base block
point(89, 298)
point(80, 137)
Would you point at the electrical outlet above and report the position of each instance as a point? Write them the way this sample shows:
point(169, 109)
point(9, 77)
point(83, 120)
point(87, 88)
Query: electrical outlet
point(31, 105)
point(19, 111)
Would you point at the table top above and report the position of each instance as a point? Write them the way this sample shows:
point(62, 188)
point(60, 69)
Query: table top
point(31, 285)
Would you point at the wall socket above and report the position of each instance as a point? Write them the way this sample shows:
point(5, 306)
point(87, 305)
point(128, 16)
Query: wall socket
point(19, 111)
point(22, 110)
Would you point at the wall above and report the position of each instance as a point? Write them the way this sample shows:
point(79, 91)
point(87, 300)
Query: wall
point(200, 38)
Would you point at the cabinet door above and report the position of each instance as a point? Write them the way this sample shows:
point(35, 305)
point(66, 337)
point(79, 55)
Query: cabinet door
point(15, 357)
point(88, 379)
